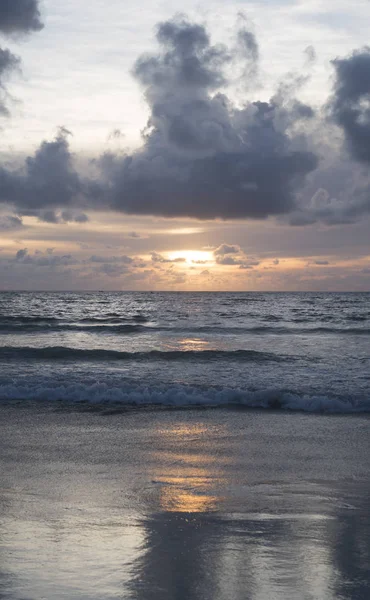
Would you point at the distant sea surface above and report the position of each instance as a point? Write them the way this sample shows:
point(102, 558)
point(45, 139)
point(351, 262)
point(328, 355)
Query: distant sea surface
point(290, 351)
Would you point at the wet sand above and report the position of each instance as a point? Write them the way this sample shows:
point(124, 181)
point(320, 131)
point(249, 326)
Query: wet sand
point(183, 505)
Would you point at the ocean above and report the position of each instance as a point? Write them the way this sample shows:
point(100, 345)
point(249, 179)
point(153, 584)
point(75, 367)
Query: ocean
point(290, 351)
point(184, 446)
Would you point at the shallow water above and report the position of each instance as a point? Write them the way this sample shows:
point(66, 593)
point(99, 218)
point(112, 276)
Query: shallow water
point(183, 505)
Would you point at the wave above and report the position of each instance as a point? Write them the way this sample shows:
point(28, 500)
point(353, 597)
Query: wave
point(266, 329)
point(102, 326)
point(179, 396)
point(60, 326)
point(96, 354)
point(23, 319)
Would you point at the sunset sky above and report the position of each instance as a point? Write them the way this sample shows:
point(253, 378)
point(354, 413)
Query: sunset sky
point(184, 145)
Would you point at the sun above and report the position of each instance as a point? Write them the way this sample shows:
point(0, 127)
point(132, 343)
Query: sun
point(192, 257)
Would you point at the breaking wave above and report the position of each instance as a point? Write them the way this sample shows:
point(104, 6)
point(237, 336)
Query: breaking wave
point(179, 396)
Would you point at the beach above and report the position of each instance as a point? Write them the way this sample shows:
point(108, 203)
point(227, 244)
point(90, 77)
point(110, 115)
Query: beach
point(100, 503)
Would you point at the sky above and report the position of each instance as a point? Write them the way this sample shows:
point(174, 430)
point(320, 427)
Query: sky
point(184, 145)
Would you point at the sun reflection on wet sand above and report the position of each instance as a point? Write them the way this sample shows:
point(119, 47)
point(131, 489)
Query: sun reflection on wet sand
point(189, 480)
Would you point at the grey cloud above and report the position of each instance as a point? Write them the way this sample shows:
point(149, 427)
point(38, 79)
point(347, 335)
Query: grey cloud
point(10, 222)
point(116, 134)
point(113, 269)
point(47, 259)
point(202, 156)
point(248, 43)
point(227, 260)
point(19, 16)
point(321, 262)
point(48, 180)
point(227, 249)
point(16, 16)
point(112, 259)
point(158, 258)
point(350, 104)
point(21, 254)
point(8, 62)
point(233, 255)
point(56, 217)
point(310, 54)
point(53, 216)
point(248, 50)
point(67, 217)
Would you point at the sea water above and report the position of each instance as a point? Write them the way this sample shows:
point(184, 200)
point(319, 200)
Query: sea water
point(293, 351)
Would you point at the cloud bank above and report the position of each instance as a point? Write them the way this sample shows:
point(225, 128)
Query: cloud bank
point(203, 155)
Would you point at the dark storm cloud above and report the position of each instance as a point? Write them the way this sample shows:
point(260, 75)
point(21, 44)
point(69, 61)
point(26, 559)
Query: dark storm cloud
point(19, 16)
point(202, 156)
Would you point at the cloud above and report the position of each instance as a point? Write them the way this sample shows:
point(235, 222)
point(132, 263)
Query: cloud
point(227, 260)
point(113, 269)
point(350, 104)
point(21, 254)
point(41, 259)
point(202, 156)
point(205, 157)
point(233, 255)
point(19, 16)
point(10, 222)
point(226, 249)
point(8, 62)
point(158, 258)
point(48, 179)
point(127, 260)
point(16, 16)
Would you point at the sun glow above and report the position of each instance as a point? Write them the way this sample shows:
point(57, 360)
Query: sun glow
point(192, 257)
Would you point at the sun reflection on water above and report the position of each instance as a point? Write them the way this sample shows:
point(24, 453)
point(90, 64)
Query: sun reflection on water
point(194, 344)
